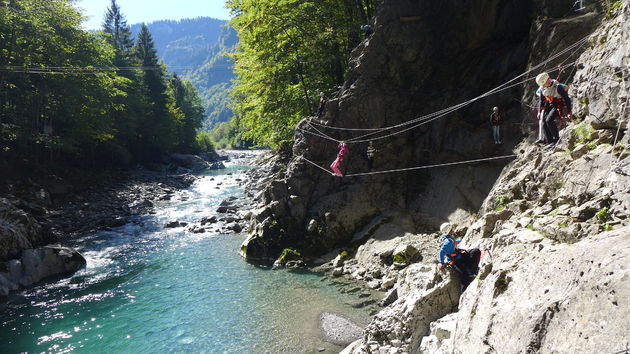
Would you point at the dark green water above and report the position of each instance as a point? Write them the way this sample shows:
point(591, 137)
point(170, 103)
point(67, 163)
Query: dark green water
point(151, 290)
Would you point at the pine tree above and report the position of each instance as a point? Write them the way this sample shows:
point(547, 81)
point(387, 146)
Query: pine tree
point(115, 25)
point(159, 129)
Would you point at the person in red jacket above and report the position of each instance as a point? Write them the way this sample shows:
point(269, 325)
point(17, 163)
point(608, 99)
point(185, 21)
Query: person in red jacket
point(496, 119)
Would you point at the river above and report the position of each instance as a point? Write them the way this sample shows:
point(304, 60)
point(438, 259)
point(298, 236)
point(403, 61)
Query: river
point(147, 289)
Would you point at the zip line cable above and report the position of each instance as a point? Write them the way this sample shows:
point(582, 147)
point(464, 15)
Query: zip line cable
point(98, 70)
point(412, 168)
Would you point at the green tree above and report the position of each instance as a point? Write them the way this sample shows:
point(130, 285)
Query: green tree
point(286, 56)
point(158, 131)
point(188, 102)
point(119, 34)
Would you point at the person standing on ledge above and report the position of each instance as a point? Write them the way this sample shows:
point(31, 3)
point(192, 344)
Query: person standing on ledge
point(554, 102)
point(370, 155)
point(322, 104)
point(496, 119)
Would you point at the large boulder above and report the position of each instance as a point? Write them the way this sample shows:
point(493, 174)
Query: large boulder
point(533, 299)
point(18, 231)
point(191, 162)
point(426, 295)
point(38, 264)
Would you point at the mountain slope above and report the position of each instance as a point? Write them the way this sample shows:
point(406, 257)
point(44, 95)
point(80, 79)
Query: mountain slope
point(194, 49)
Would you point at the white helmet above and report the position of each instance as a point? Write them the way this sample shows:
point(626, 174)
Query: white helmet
point(541, 79)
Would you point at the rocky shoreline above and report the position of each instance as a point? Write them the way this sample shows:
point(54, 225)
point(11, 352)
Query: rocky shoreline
point(33, 215)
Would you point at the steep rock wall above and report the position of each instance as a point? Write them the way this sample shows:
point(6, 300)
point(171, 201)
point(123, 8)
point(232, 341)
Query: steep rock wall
point(555, 277)
point(424, 56)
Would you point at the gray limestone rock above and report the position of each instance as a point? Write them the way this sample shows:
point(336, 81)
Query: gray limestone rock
point(339, 329)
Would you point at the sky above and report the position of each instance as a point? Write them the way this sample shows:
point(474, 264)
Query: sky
point(137, 11)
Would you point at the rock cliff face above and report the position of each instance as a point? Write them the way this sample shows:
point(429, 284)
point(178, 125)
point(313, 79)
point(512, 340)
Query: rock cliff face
point(552, 223)
point(393, 78)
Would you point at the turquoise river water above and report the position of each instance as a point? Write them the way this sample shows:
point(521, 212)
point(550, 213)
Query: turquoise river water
point(147, 289)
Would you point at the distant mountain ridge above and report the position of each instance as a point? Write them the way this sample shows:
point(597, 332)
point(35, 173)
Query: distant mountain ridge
point(193, 49)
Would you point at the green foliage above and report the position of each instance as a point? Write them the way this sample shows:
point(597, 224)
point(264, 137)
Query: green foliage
point(555, 212)
point(602, 215)
point(583, 133)
point(400, 258)
point(531, 227)
point(501, 200)
point(203, 143)
point(289, 255)
point(343, 255)
point(225, 135)
point(289, 51)
point(79, 114)
point(613, 7)
point(607, 227)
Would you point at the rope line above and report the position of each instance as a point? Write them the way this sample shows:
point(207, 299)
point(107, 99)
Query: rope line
point(488, 93)
point(423, 120)
point(412, 168)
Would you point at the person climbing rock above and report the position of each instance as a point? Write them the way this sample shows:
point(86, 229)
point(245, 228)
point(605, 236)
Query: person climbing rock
point(496, 119)
point(323, 100)
point(367, 29)
point(554, 102)
point(343, 151)
point(370, 155)
point(465, 262)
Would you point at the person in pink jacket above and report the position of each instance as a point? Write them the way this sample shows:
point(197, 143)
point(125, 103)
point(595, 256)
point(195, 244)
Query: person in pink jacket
point(343, 151)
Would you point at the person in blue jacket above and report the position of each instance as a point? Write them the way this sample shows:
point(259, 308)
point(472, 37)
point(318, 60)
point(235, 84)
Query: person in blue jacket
point(465, 262)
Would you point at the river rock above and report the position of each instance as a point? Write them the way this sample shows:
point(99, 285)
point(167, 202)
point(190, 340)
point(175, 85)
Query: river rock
point(39, 264)
point(18, 230)
point(190, 162)
point(338, 329)
point(175, 223)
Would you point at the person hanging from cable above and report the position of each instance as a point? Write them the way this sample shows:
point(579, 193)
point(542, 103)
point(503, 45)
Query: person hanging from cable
point(465, 262)
point(323, 100)
point(343, 151)
point(369, 153)
point(554, 102)
point(496, 119)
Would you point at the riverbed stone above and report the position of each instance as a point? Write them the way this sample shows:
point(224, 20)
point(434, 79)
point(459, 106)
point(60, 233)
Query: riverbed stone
point(339, 329)
point(39, 264)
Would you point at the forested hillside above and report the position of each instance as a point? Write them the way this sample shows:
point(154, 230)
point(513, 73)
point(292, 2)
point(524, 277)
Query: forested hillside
point(74, 98)
point(196, 49)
